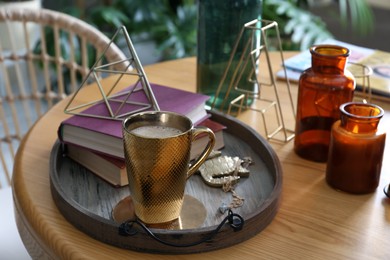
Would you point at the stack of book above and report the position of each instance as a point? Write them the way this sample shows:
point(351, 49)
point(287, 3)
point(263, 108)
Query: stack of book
point(96, 143)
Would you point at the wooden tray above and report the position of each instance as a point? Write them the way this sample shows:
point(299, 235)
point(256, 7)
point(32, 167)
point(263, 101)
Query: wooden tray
point(87, 202)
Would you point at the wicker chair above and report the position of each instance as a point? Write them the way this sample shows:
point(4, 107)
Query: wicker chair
point(43, 57)
point(36, 71)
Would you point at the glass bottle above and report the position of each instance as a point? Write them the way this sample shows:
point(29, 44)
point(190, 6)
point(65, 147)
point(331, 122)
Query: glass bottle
point(322, 89)
point(356, 149)
point(219, 25)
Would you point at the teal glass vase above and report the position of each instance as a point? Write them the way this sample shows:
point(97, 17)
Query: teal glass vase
point(219, 25)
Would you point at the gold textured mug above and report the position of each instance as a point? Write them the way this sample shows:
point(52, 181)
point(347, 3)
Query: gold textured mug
point(157, 149)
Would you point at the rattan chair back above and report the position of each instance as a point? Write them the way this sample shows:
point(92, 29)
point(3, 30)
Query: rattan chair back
point(44, 55)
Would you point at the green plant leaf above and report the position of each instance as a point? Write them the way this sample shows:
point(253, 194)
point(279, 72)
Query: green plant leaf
point(107, 18)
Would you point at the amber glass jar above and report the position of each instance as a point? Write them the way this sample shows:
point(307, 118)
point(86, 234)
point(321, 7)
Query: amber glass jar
point(322, 89)
point(356, 149)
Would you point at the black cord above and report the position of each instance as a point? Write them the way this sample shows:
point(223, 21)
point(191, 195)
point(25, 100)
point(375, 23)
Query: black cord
point(235, 221)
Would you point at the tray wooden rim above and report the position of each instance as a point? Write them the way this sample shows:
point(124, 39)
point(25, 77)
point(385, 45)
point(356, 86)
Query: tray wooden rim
point(257, 220)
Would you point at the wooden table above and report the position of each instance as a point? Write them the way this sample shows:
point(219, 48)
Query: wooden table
point(314, 221)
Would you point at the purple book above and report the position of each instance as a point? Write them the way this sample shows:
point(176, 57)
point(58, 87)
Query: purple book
point(105, 135)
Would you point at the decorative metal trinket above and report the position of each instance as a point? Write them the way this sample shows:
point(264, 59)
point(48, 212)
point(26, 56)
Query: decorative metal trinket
point(223, 169)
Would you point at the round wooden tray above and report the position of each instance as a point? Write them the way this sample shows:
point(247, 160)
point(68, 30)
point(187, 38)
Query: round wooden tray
point(87, 202)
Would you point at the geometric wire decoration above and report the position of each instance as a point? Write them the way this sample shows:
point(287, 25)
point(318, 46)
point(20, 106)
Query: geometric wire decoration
point(250, 56)
point(117, 105)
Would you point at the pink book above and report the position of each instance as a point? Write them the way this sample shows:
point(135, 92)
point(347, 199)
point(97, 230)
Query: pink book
point(105, 135)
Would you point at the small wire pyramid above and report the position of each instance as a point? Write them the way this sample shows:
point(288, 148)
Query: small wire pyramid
point(115, 106)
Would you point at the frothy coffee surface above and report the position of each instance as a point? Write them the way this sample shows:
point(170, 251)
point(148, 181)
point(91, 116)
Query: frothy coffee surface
point(153, 131)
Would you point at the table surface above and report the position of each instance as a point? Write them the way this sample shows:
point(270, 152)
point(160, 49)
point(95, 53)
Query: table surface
point(314, 221)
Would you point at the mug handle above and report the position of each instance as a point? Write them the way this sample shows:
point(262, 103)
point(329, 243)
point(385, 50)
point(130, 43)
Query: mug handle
point(196, 131)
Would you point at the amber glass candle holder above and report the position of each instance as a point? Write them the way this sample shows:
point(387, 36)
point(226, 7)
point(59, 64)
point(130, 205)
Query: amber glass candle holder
point(356, 149)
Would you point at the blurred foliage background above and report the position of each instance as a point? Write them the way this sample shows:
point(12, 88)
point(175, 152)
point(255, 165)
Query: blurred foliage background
point(172, 24)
